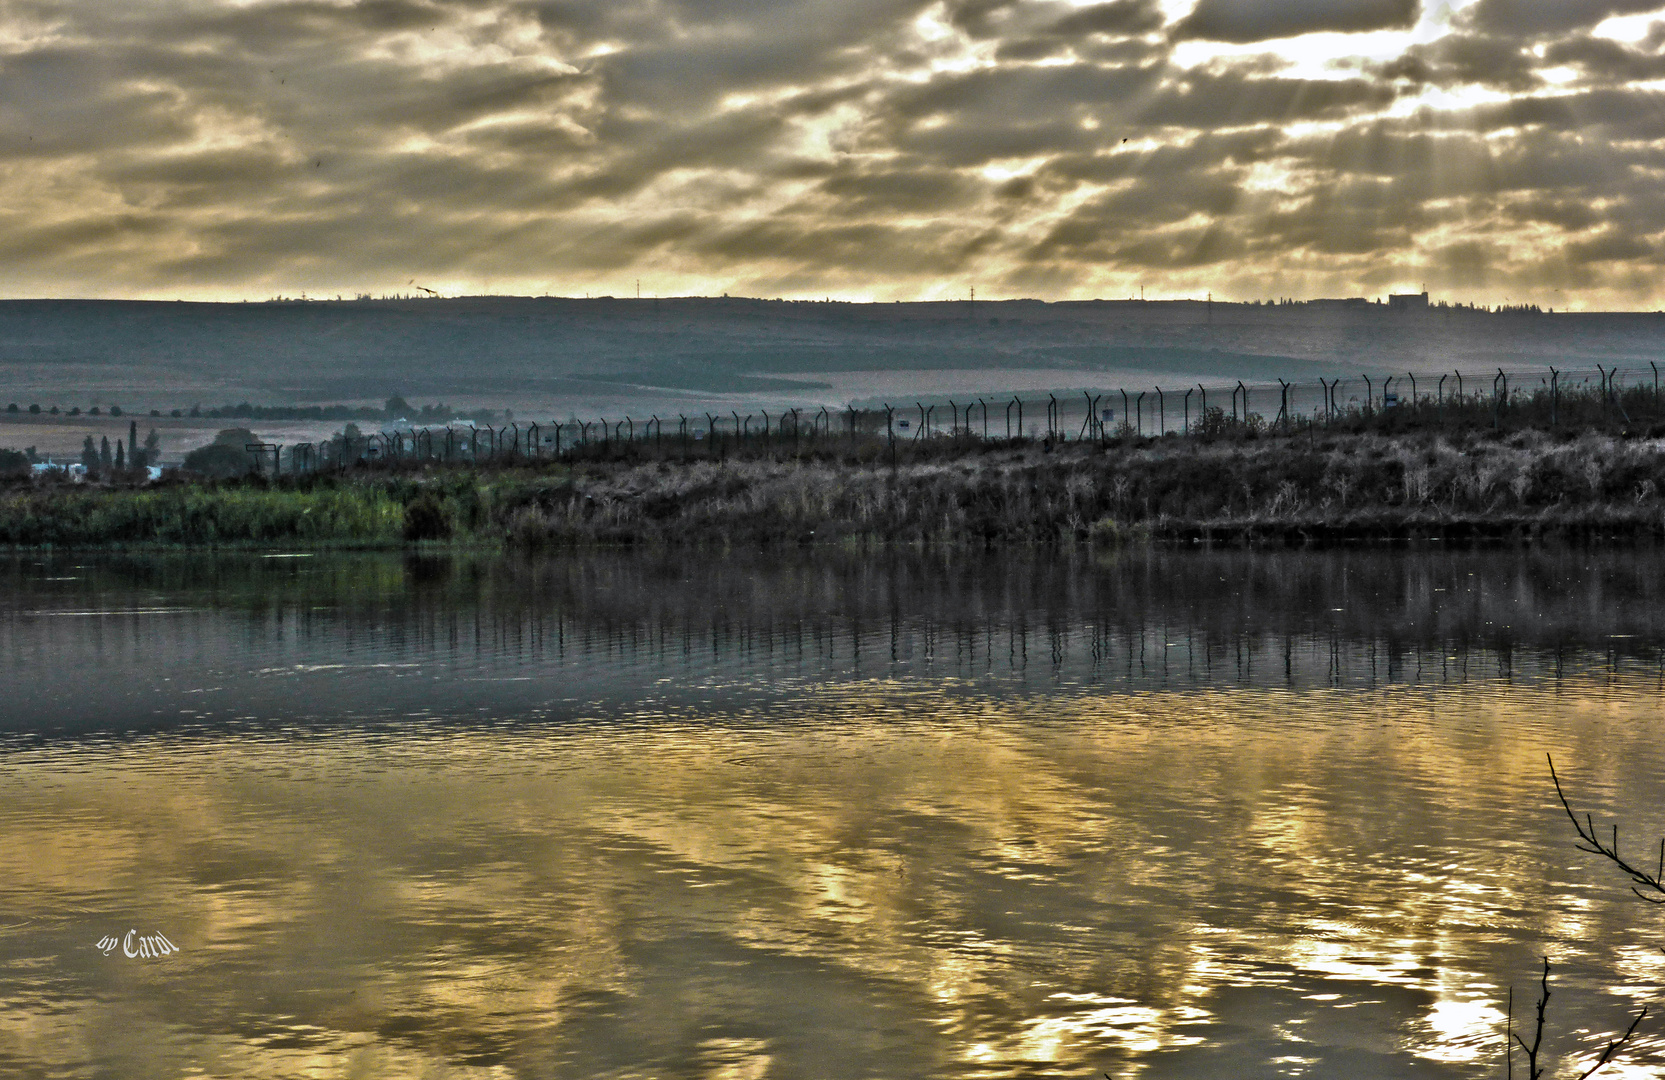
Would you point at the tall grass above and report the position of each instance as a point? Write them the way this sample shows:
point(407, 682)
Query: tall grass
point(194, 515)
point(1316, 487)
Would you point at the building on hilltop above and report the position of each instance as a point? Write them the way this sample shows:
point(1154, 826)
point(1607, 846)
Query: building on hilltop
point(1408, 301)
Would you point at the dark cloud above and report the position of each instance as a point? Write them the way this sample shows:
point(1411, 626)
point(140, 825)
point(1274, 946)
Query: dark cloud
point(897, 190)
point(1206, 99)
point(1467, 59)
point(1086, 31)
point(1263, 20)
point(1532, 18)
point(1604, 61)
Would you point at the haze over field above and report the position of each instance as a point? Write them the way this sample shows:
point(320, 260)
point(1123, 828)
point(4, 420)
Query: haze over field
point(1493, 150)
point(551, 356)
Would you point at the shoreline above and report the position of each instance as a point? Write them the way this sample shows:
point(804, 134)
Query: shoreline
point(1524, 487)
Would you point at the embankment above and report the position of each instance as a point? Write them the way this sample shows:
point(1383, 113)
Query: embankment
point(1523, 486)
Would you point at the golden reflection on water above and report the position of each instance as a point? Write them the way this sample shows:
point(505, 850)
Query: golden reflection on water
point(880, 879)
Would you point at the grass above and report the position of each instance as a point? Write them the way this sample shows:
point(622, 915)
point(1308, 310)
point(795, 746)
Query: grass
point(1253, 489)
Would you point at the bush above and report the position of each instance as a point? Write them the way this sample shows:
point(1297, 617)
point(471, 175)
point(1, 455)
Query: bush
point(425, 519)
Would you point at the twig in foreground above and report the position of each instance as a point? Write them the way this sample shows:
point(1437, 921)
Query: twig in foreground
point(1641, 880)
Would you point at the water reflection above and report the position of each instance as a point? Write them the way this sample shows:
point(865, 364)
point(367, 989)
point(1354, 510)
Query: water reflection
point(652, 856)
point(351, 638)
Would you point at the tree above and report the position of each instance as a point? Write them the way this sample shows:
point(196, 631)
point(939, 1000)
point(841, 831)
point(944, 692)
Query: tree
point(153, 448)
point(34, 410)
point(89, 455)
point(396, 407)
point(225, 457)
point(121, 455)
point(105, 458)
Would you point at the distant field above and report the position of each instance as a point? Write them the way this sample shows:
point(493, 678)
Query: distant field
point(62, 436)
point(552, 357)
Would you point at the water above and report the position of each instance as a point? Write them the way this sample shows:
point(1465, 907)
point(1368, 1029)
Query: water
point(1189, 816)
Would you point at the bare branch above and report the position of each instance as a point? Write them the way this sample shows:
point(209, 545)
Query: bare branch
point(1614, 1046)
point(1650, 887)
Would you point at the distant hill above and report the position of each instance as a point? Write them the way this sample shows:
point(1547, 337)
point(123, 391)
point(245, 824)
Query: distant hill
point(554, 353)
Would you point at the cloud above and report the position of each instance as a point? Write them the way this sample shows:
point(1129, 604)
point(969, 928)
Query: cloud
point(1264, 20)
point(866, 147)
point(1529, 18)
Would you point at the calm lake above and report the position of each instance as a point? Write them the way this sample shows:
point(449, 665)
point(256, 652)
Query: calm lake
point(1208, 815)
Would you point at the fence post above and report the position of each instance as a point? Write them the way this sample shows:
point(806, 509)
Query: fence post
point(1412, 376)
point(1139, 415)
point(1161, 414)
point(1369, 396)
point(1655, 388)
point(1020, 416)
point(1497, 401)
point(1283, 406)
point(1554, 398)
point(1125, 411)
point(1202, 416)
point(1187, 431)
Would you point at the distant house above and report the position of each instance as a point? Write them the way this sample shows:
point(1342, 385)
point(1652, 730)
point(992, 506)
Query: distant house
point(1408, 301)
point(72, 470)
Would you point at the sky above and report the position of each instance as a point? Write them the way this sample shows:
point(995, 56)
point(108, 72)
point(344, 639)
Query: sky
point(1492, 151)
